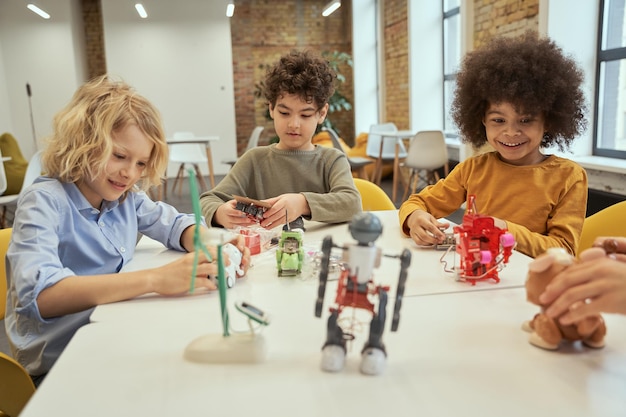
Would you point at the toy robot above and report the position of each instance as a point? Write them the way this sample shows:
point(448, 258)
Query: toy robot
point(290, 253)
point(482, 247)
point(233, 270)
point(356, 289)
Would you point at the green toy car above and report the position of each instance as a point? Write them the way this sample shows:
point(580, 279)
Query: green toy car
point(290, 253)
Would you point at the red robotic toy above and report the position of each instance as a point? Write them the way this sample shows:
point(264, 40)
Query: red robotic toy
point(482, 247)
point(356, 289)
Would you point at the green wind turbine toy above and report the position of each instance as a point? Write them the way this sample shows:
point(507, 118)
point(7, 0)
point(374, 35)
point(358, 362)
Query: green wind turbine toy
point(229, 347)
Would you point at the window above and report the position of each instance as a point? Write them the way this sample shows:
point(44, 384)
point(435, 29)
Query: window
point(610, 109)
point(451, 56)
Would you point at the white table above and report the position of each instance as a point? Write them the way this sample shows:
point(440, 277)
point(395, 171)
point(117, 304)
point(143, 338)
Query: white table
point(202, 140)
point(454, 353)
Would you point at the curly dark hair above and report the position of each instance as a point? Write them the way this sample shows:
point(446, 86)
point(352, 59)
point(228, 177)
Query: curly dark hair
point(531, 73)
point(302, 74)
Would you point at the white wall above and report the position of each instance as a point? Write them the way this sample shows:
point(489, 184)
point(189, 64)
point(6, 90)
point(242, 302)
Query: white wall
point(365, 73)
point(426, 65)
point(39, 52)
point(180, 58)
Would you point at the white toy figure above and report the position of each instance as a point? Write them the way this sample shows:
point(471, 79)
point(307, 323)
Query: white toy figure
point(357, 289)
point(233, 270)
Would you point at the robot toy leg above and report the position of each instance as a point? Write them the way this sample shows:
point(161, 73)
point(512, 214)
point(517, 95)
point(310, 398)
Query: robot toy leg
point(327, 245)
point(405, 262)
point(373, 355)
point(334, 350)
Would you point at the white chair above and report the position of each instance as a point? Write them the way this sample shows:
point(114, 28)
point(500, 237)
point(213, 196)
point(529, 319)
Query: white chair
point(187, 153)
point(427, 153)
point(253, 142)
point(383, 150)
point(357, 163)
point(32, 172)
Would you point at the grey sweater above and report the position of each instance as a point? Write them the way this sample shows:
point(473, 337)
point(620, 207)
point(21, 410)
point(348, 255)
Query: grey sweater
point(322, 175)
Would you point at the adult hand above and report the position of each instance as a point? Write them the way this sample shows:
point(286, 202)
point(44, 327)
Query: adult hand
point(597, 284)
point(425, 229)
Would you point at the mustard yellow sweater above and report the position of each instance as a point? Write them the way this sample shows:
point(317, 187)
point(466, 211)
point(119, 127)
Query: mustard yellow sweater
point(543, 205)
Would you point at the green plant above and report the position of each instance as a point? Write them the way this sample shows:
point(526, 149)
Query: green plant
point(338, 102)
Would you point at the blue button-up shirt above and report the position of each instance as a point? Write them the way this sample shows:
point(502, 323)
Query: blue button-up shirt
point(57, 234)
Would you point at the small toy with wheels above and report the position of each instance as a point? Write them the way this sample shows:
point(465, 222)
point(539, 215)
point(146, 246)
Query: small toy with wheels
point(290, 252)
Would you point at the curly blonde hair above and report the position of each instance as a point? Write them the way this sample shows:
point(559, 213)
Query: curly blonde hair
point(81, 144)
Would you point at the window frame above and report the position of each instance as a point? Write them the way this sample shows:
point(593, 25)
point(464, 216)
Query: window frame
point(603, 56)
point(451, 131)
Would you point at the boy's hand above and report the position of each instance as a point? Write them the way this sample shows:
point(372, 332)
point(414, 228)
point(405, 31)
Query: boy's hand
point(294, 204)
point(425, 229)
point(229, 217)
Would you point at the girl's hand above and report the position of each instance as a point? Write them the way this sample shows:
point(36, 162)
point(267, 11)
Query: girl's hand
point(239, 243)
point(425, 229)
point(175, 277)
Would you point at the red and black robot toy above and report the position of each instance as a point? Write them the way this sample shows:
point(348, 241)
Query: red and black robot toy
point(482, 247)
point(356, 289)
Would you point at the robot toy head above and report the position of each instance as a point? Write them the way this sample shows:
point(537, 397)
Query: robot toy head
point(365, 228)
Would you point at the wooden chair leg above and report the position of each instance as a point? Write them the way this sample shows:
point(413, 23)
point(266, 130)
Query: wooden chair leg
point(179, 176)
point(361, 173)
point(203, 186)
point(410, 183)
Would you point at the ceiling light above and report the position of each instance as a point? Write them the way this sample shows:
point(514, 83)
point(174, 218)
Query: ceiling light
point(230, 9)
point(141, 10)
point(331, 7)
point(37, 10)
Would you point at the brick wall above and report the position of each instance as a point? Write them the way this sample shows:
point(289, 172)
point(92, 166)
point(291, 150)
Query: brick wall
point(262, 31)
point(504, 18)
point(396, 53)
point(94, 38)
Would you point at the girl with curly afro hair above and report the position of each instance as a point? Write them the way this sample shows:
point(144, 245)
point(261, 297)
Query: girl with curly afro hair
point(294, 176)
point(519, 95)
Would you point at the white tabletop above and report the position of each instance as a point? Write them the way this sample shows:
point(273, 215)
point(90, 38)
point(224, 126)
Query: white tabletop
point(400, 134)
point(454, 354)
point(195, 139)
point(425, 276)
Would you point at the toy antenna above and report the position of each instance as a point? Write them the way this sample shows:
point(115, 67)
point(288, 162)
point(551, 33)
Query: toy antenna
point(471, 204)
point(200, 246)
